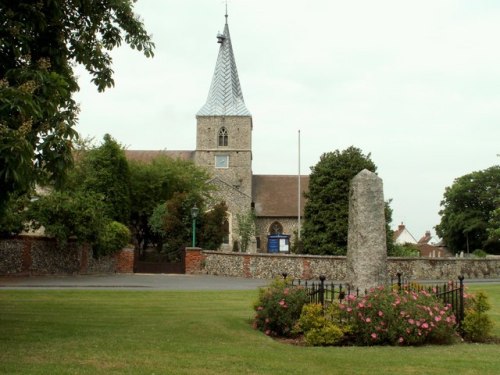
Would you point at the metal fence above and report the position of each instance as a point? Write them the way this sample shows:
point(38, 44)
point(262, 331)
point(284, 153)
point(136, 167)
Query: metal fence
point(324, 292)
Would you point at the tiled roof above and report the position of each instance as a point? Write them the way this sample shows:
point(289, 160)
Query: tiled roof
point(148, 155)
point(225, 97)
point(276, 195)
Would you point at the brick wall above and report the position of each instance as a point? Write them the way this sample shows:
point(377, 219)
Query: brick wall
point(194, 260)
point(31, 255)
point(266, 266)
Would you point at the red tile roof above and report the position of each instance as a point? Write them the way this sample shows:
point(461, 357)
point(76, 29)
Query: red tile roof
point(277, 195)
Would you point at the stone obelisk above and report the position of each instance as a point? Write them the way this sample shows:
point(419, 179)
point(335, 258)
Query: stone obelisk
point(366, 241)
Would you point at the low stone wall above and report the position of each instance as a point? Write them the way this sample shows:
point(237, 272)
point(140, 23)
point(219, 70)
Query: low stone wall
point(30, 255)
point(266, 266)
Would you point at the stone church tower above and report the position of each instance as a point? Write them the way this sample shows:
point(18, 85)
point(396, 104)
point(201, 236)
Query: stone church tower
point(224, 137)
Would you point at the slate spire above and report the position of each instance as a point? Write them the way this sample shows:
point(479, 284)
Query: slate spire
point(225, 97)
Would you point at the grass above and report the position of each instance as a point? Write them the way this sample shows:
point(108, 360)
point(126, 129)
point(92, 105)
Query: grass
point(164, 332)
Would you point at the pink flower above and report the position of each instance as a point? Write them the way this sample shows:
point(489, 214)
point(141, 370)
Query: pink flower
point(411, 321)
point(401, 340)
point(374, 336)
point(267, 320)
point(368, 320)
point(437, 318)
point(418, 323)
point(268, 332)
point(282, 302)
point(361, 305)
point(425, 326)
point(349, 309)
point(380, 313)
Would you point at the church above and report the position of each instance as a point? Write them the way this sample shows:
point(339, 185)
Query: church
point(224, 147)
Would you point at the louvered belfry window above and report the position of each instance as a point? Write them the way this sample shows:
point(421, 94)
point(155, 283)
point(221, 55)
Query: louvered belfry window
point(223, 137)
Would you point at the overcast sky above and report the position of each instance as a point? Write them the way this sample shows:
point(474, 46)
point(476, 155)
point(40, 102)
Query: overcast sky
point(414, 83)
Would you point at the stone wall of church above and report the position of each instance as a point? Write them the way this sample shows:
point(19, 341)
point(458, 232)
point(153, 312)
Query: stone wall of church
point(263, 227)
point(237, 202)
point(239, 132)
point(239, 149)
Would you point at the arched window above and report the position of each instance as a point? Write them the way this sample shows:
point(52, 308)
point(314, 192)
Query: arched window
point(225, 239)
point(223, 136)
point(276, 228)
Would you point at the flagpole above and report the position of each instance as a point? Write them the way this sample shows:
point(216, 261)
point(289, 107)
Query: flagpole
point(298, 195)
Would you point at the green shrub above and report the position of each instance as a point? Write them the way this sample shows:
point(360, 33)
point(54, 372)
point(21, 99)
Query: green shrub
point(477, 324)
point(318, 327)
point(386, 317)
point(278, 308)
point(113, 237)
point(478, 253)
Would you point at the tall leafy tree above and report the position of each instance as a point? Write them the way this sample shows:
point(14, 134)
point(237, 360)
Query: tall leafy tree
point(104, 170)
point(40, 44)
point(213, 228)
point(327, 208)
point(154, 183)
point(469, 212)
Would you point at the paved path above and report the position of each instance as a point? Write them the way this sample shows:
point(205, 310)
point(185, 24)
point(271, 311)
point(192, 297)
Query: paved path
point(132, 282)
point(149, 282)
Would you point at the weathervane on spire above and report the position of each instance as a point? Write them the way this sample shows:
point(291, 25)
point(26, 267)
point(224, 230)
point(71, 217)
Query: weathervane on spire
point(222, 37)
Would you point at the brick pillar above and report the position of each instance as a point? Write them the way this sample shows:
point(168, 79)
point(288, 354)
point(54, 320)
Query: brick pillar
point(125, 260)
point(193, 260)
point(246, 266)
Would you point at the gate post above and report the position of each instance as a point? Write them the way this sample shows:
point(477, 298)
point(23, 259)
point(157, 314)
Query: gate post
point(193, 260)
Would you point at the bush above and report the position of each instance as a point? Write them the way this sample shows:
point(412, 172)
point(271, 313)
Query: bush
point(386, 317)
point(113, 237)
point(278, 308)
point(477, 325)
point(318, 327)
point(478, 253)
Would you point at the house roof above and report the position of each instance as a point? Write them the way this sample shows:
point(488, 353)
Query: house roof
point(225, 97)
point(277, 195)
point(148, 155)
point(426, 238)
point(402, 235)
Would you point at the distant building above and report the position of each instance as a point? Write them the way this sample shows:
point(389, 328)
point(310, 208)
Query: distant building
point(402, 236)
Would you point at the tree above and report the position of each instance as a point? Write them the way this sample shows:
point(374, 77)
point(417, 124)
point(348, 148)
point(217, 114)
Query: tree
point(40, 44)
point(152, 184)
point(213, 228)
point(104, 170)
point(469, 212)
point(246, 228)
point(69, 214)
point(327, 209)
point(177, 222)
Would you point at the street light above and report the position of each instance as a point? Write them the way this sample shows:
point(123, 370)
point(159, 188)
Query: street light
point(194, 215)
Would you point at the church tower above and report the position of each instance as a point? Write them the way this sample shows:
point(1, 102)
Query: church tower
point(224, 134)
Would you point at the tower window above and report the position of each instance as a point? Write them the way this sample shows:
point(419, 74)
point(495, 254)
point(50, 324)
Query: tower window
point(223, 136)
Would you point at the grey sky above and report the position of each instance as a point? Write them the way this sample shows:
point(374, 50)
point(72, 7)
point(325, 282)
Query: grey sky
point(414, 83)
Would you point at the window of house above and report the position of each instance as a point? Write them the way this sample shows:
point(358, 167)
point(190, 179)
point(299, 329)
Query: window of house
point(225, 240)
point(223, 137)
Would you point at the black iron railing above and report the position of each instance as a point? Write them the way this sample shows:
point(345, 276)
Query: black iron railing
point(323, 292)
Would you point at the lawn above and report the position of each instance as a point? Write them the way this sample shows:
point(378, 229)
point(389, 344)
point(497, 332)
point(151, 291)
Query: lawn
point(164, 332)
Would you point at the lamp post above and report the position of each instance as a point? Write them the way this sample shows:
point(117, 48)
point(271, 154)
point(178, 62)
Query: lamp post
point(194, 215)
